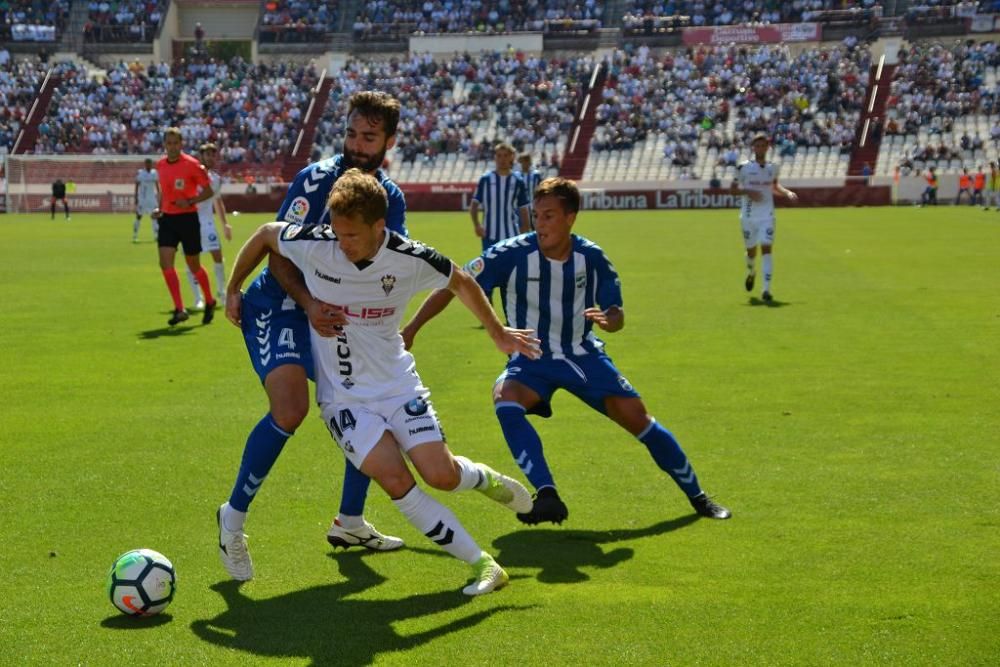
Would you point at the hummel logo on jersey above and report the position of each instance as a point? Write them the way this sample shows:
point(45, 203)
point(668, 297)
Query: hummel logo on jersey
point(348, 383)
point(388, 282)
point(333, 279)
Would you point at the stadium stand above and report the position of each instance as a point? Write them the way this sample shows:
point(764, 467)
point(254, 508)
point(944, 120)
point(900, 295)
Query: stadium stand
point(19, 81)
point(395, 18)
point(653, 16)
point(454, 111)
point(123, 20)
point(943, 109)
point(291, 21)
point(33, 20)
point(689, 115)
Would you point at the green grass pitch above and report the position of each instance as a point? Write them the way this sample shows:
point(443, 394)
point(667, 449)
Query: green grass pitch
point(852, 427)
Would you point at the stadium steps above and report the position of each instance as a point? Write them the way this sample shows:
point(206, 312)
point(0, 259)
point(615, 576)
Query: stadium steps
point(867, 142)
point(578, 151)
point(26, 138)
point(613, 14)
point(300, 153)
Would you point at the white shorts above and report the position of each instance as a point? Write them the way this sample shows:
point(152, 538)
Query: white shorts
point(145, 206)
point(357, 427)
point(209, 237)
point(757, 232)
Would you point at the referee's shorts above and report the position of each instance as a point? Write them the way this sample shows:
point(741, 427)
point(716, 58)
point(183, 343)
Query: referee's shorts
point(180, 229)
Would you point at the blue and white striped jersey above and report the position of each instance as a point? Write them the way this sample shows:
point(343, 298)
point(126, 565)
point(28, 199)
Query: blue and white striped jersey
point(501, 198)
point(531, 181)
point(550, 296)
point(305, 204)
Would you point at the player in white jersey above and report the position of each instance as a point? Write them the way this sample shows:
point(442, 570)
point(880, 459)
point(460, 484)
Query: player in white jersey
point(757, 181)
point(370, 395)
point(147, 197)
point(209, 236)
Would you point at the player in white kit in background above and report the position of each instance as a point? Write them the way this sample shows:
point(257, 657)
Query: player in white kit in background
point(209, 236)
point(147, 198)
point(757, 181)
point(371, 397)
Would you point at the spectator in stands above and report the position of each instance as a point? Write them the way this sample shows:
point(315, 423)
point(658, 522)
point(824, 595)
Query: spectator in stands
point(929, 195)
point(978, 185)
point(964, 187)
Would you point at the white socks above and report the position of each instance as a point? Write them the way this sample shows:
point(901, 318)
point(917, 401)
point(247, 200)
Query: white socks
point(348, 521)
point(194, 283)
point(220, 278)
point(438, 523)
point(232, 520)
point(470, 475)
point(766, 267)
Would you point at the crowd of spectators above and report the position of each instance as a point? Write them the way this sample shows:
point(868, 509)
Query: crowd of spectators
point(933, 87)
point(380, 19)
point(527, 101)
point(934, 84)
point(298, 20)
point(718, 97)
point(33, 20)
point(123, 20)
point(650, 16)
point(19, 82)
point(252, 112)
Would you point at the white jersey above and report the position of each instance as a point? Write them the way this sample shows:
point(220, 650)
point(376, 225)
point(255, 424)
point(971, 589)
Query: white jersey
point(367, 362)
point(206, 209)
point(147, 181)
point(751, 175)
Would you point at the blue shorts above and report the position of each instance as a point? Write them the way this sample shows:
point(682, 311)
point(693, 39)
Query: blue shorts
point(275, 337)
point(591, 378)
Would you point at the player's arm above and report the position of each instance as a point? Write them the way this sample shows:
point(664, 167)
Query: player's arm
point(525, 219)
point(610, 320)
point(220, 210)
point(737, 189)
point(474, 214)
point(263, 241)
point(782, 191)
point(507, 340)
point(436, 302)
point(326, 318)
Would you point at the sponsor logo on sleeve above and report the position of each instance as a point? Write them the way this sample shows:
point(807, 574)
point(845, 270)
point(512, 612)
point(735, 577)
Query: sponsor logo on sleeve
point(475, 267)
point(297, 210)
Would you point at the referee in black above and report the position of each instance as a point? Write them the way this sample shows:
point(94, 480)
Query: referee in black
point(59, 194)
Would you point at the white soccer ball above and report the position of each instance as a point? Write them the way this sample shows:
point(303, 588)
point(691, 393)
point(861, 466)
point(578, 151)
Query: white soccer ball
point(141, 582)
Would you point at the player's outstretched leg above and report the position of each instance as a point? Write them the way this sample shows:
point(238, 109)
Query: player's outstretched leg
point(440, 526)
point(669, 456)
point(496, 486)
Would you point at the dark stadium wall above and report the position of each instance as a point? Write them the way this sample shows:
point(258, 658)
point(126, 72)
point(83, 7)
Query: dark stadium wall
point(430, 197)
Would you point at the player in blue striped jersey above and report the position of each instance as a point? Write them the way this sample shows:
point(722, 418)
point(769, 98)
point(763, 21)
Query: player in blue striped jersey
point(504, 200)
point(562, 285)
point(532, 177)
point(275, 325)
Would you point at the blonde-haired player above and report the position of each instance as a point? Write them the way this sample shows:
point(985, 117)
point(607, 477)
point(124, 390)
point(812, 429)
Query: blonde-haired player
point(209, 236)
point(757, 181)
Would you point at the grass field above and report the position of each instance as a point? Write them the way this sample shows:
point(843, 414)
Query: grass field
point(852, 427)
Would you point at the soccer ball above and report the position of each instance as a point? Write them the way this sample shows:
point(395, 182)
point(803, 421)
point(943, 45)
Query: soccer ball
point(141, 582)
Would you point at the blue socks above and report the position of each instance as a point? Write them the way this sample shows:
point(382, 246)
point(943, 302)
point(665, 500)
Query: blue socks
point(524, 444)
point(355, 492)
point(670, 457)
point(261, 451)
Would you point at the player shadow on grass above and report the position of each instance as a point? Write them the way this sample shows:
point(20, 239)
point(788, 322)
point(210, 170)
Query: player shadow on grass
point(773, 303)
point(188, 327)
point(327, 625)
point(560, 554)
